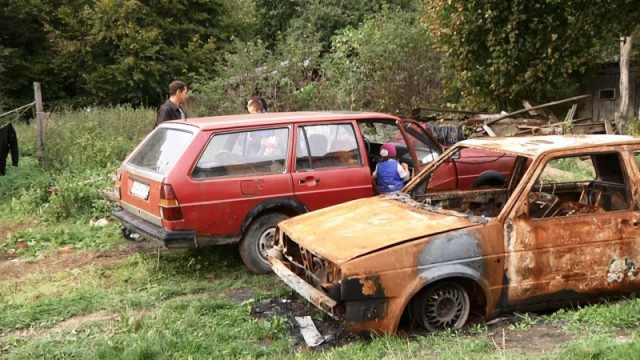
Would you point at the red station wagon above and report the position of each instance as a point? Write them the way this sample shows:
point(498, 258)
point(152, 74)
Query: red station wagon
point(231, 179)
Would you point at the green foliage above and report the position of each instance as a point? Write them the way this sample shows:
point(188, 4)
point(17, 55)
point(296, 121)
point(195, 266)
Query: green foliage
point(27, 54)
point(386, 64)
point(618, 315)
point(77, 195)
point(43, 240)
point(523, 322)
point(82, 151)
point(177, 307)
point(53, 198)
point(27, 175)
point(633, 127)
point(110, 52)
point(602, 347)
point(504, 52)
point(95, 139)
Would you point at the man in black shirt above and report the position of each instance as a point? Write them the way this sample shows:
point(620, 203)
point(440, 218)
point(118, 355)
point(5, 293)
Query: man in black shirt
point(172, 109)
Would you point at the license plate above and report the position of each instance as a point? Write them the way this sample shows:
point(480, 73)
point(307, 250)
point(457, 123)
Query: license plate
point(140, 190)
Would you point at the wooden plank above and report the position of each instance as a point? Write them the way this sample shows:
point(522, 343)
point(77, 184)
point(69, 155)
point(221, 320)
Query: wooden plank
point(416, 111)
point(489, 122)
point(488, 130)
point(571, 113)
point(547, 114)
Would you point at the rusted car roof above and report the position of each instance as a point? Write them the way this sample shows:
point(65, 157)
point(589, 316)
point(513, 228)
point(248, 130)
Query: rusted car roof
point(534, 146)
point(373, 223)
point(235, 121)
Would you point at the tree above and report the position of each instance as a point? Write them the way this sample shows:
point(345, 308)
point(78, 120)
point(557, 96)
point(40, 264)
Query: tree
point(115, 51)
point(504, 52)
point(26, 53)
point(385, 64)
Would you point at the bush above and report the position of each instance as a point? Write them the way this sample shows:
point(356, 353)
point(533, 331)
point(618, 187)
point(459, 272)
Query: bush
point(385, 64)
point(82, 150)
point(93, 139)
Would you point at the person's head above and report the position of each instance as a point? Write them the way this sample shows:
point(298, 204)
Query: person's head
point(256, 105)
point(179, 92)
point(388, 150)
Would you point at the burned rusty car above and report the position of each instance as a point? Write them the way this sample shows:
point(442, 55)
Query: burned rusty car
point(563, 228)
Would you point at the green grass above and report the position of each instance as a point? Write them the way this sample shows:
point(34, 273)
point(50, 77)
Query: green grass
point(184, 305)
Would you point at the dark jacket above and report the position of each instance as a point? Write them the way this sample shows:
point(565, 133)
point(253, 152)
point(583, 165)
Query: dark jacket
point(8, 142)
point(169, 111)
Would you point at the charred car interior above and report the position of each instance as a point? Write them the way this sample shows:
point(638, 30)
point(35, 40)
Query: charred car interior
point(561, 228)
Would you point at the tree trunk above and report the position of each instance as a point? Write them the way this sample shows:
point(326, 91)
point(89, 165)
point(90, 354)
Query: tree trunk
point(623, 109)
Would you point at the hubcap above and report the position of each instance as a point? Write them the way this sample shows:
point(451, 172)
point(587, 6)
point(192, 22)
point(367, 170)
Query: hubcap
point(444, 308)
point(265, 242)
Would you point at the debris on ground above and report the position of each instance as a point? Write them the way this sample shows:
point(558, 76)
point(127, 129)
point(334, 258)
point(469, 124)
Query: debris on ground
point(530, 120)
point(309, 331)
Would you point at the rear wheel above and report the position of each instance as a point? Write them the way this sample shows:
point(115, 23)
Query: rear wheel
point(489, 178)
point(442, 306)
point(257, 240)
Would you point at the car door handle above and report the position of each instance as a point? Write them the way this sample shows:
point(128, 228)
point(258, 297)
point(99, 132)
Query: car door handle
point(310, 180)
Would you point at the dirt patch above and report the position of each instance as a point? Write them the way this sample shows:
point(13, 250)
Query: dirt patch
point(238, 296)
point(291, 306)
point(7, 228)
point(537, 339)
point(534, 340)
point(19, 268)
point(73, 322)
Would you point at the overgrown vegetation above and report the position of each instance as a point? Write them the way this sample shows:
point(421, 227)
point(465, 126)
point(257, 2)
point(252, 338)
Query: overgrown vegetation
point(60, 193)
point(299, 55)
point(136, 303)
point(318, 54)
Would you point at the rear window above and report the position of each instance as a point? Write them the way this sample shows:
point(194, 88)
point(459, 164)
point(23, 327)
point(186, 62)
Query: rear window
point(161, 150)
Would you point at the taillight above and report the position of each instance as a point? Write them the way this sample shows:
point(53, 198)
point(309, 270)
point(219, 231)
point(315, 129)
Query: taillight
point(169, 206)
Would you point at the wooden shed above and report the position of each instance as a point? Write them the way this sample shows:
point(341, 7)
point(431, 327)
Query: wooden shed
point(605, 94)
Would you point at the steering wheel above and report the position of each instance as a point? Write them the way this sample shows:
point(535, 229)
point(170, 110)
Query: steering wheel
point(367, 144)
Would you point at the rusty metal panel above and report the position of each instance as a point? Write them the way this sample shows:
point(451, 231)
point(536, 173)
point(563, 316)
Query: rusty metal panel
point(536, 145)
point(368, 224)
point(313, 295)
point(571, 253)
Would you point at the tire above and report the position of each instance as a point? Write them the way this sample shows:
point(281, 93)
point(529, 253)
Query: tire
point(257, 240)
point(442, 306)
point(489, 178)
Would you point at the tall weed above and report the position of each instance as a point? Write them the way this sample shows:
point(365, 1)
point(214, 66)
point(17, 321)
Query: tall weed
point(82, 150)
point(94, 139)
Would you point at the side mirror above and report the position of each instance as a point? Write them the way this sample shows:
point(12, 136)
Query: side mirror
point(455, 155)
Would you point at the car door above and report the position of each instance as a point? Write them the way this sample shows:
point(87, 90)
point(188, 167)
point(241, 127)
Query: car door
point(414, 146)
point(329, 165)
point(575, 232)
point(236, 171)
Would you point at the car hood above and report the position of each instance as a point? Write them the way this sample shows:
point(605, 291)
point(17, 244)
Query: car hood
point(346, 231)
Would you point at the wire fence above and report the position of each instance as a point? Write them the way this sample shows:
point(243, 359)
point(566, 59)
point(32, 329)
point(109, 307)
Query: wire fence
point(19, 111)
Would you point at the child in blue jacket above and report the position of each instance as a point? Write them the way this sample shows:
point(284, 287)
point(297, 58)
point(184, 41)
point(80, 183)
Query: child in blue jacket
point(389, 174)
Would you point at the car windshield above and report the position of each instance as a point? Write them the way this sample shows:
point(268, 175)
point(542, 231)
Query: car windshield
point(161, 150)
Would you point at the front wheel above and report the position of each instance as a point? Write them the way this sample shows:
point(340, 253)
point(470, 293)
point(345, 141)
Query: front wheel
point(257, 240)
point(442, 306)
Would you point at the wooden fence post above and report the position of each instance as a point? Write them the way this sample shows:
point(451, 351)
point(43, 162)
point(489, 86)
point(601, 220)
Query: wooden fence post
point(39, 118)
